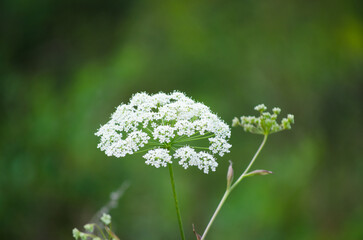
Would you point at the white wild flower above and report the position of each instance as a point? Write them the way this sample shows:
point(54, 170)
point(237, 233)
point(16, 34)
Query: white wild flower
point(188, 157)
point(219, 145)
point(166, 125)
point(158, 157)
point(164, 133)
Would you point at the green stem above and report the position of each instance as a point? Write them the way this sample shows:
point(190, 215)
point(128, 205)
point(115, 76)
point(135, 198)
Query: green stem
point(90, 235)
point(205, 148)
point(250, 165)
point(100, 230)
point(185, 136)
point(145, 150)
point(176, 202)
point(195, 138)
point(229, 189)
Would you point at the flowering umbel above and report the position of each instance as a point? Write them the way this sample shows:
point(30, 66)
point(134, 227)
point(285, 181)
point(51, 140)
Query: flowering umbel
point(266, 123)
point(165, 126)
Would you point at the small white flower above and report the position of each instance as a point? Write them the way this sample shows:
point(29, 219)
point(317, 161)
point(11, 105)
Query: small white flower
point(185, 127)
point(164, 133)
point(166, 123)
point(219, 145)
point(158, 157)
point(106, 219)
point(276, 110)
point(188, 157)
point(261, 107)
point(89, 227)
point(207, 161)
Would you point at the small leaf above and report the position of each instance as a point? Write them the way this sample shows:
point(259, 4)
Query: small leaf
point(258, 172)
point(196, 234)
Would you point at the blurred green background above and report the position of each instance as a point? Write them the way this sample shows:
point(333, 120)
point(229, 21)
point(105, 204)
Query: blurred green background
point(66, 65)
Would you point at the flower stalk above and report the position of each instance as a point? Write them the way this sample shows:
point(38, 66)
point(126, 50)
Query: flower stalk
point(182, 235)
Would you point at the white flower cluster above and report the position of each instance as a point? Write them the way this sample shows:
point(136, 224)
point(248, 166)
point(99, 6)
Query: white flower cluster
point(166, 123)
point(158, 157)
point(189, 157)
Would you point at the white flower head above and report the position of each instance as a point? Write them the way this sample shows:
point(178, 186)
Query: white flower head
point(166, 126)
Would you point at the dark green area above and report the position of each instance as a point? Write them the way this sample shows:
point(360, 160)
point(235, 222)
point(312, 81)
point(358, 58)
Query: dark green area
point(66, 65)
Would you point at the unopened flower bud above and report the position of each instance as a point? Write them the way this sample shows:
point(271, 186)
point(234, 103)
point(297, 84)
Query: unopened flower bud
point(258, 172)
point(235, 122)
point(229, 174)
point(76, 233)
point(290, 117)
point(89, 227)
point(286, 123)
point(261, 108)
point(276, 110)
point(106, 219)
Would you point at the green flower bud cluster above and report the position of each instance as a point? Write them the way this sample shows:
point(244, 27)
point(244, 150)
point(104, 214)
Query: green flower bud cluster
point(90, 234)
point(266, 123)
point(106, 219)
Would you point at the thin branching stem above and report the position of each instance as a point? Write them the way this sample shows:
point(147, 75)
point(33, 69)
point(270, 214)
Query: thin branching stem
point(251, 163)
point(145, 150)
point(100, 230)
point(195, 138)
point(229, 189)
point(205, 148)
